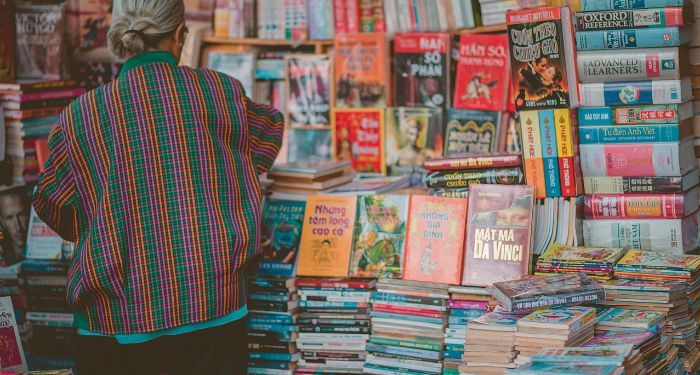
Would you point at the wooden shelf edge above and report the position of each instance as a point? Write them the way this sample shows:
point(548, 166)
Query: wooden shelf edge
point(483, 29)
point(265, 42)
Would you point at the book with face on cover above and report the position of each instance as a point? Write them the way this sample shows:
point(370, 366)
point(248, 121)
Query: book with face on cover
point(11, 353)
point(498, 233)
point(39, 46)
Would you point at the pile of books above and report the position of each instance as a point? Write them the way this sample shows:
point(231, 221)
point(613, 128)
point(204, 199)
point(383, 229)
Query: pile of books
point(596, 262)
point(295, 181)
point(451, 176)
point(408, 327)
point(617, 319)
point(333, 324)
point(554, 328)
point(490, 343)
point(634, 114)
point(272, 328)
point(653, 351)
point(591, 360)
point(31, 109)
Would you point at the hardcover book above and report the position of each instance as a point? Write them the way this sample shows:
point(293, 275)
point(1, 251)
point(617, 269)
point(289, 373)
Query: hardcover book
point(435, 239)
point(630, 65)
point(380, 233)
point(650, 206)
point(637, 159)
point(358, 137)
point(633, 185)
point(483, 72)
point(282, 223)
point(309, 90)
point(39, 31)
point(632, 38)
point(471, 131)
point(463, 179)
point(634, 18)
point(635, 115)
point(361, 69)
point(594, 5)
point(422, 69)
point(635, 93)
point(12, 354)
point(326, 237)
point(7, 41)
point(542, 58)
point(474, 161)
point(413, 135)
point(607, 134)
point(671, 235)
point(498, 234)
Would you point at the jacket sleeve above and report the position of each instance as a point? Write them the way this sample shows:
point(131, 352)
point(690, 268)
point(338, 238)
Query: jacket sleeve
point(55, 197)
point(266, 129)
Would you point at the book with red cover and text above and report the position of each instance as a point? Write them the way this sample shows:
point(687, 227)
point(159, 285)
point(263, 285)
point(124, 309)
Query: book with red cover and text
point(422, 70)
point(11, 353)
point(361, 70)
point(631, 206)
point(358, 136)
point(483, 72)
point(474, 161)
point(435, 239)
point(499, 228)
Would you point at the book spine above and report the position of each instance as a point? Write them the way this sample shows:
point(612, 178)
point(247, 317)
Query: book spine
point(340, 16)
point(596, 5)
point(631, 159)
point(469, 305)
point(311, 283)
point(633, 133)
point(630, 38)
point(645, 114)
point(390, 297)
point(530, 304)
point(627, 19)
point(404, 343)
point(632, 93)
point(534, 167)
point(400, 310)
point(403, 351)
point(565, 152)
point(332, 304)
point(352, 11)
point(629, 65)
point(495, 161)
point(337, 322)
point(632, 185)
point(449, 192)
point(461, 179)
point(648, 234)
point(621, 206)
point(548, 136)
point(318, 329)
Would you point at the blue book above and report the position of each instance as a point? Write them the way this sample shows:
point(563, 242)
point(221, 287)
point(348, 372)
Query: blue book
point(331, 305)
point(562, 369)
point(548, 136)
point(467, 313)
point(459, 326)
point(634, 133)
point(270, 321)
point(281, 232)
point(591, 5)
point(635, 93)
point(286, 357)
point(459, 320)
point(635, 115)
point(411, 352)
point(271, 318)
point(452, 354)
point(270, 364)
point(454, 347)
point(631, 38)
point(269, 297)
point(273, 327)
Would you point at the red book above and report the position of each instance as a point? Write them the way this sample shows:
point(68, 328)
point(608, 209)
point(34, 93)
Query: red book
point(474, 161)
point(32, 113)
point(498, 233)
point(646, 206)
point(435, 239)
point(352, 14)
point(340, 16)
point(469, 305)
point(11, 353)
point(358, 136)
point(405, 310)
point(482, 81)
point(42, 151)
point(334, 283)
point(24, 88)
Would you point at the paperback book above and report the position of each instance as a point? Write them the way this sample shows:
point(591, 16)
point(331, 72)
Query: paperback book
point(471, 131)
point(239, 65)
point(358, 137)
point(422, 69)
point(282, 224)
point(483, 72)
point(309, 84)
point(474, 161)
point(361, 70)
point(413, 136)
point(12, 354)
point(39, 46)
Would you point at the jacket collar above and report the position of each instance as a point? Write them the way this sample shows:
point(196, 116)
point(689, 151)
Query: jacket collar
point(151, 57)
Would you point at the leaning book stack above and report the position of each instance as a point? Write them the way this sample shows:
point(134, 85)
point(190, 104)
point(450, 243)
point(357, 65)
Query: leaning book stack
point(653, 350)
point(490, 343)
point(596, 262)
point(635, 126)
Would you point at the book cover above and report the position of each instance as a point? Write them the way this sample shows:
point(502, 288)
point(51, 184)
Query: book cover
point(498, 234)
point(358, 137)
point(635, 115)
point(635, 133)
point(612, 354)
point(15, 206)
point(39, 47)
point(309, 143)
point(43, 242)
point(571, 318)
point(413, 135)
point(622, 337)
point(11, 352)
point(282, 223)
point(361, 69)
point(309, 90)
point(595, 5)
point(7, 41)
point(435, 239)
point(94, 17)
point(474, 161)
point(326, 237)
point(320, 19)
point(422, 69)
point(239, 65)
point(629, 65)
point(532, 152)
point(617, 317)
point(632, 38)
point(531, 293)
point(660, 260)
point(567, 369)
point(634, 185)
point(380, 232)
point(568, 152)
point(633, 18)
point(471, 131)
point(548, 137)
point(541, 46)
point(483, 72)
point(463, 179)
point(635, 93)
point(671, 235)
point(637, 159)
point(558, 253)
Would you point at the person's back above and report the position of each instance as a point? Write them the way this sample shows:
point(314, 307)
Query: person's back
point(155, 177)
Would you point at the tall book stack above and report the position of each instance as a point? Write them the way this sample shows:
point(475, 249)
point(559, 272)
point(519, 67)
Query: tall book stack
point(596, 262)
point(31, 110)
point(635, 129)
point(490, 343)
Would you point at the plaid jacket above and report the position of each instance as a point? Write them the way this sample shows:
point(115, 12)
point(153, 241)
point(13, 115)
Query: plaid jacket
point(155, 177)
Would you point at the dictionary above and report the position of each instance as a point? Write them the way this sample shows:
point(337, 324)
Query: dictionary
point(638, 159)
point(636, 133)
point(634, 18)
point(632, 38)
point(632, 115)
point(651, 206)
point(593, 5)
point(633, 65)
point(632, 185)
point(635, 93)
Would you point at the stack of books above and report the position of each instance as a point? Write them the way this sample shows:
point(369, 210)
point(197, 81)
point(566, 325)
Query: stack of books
point(11, 285)
point(490, 343)
point(333, 324)
point(593, 360)
point(652, 349)
point(294, 181)
point(616, 319)
point(596, 262)
point(31, 109)
point(408, 327)
point(451, 177)
point(554, 328)
point(272, 328)
point(636, 93)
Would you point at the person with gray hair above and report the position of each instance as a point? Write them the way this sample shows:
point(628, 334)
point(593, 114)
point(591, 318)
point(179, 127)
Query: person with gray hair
point(154, 177)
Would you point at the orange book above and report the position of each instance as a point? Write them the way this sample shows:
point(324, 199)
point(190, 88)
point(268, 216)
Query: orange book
point(361, 70)
point(326, 237)
point(435, 239)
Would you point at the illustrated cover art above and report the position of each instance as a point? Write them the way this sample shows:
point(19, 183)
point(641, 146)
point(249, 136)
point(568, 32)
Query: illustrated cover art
point(239, 65)
point(11, 353)
point(361, 68)
point(538, 58)
point(607, 354)
point(435, 239)
point(550, 285)
point(15, 209)
point(568, 368)
point(7, 41)
point(380, 235)
point(413, 135)
point(422, 69)
point(631, 318)
point(309, 143)
point(358, 136)
point(654, 259)
point(566, 316)
point(94, 17)
point(471, 131)
point(498, 233)
point(326, 237)
point(571, 254)
point(483, 72)
point(309, 91)
point(621, 337)
point(39, 45)
point(281, 232)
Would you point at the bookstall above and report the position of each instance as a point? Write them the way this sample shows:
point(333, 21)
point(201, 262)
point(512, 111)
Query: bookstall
point(463, 187)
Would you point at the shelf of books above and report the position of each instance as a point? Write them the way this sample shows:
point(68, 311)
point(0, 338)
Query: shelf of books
point(464, 187)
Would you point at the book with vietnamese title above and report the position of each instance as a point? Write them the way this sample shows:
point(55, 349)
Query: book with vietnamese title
point(361, 71)
point(309, 90)
point(633, 115)
point(662, 159)
point(645, 185)
point(471, 131)
point(413, 136)
point(676, 236)
point(422, 69)
point(483, 72)
point(464, 178)
point(474, 161)
point(637, 206)
point(358, 137)
point(281, 232)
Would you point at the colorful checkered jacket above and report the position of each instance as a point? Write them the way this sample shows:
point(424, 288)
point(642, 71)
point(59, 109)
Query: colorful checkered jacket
point(154, 176)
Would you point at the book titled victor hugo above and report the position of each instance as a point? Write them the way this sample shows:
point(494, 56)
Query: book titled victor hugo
point(39, 41)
